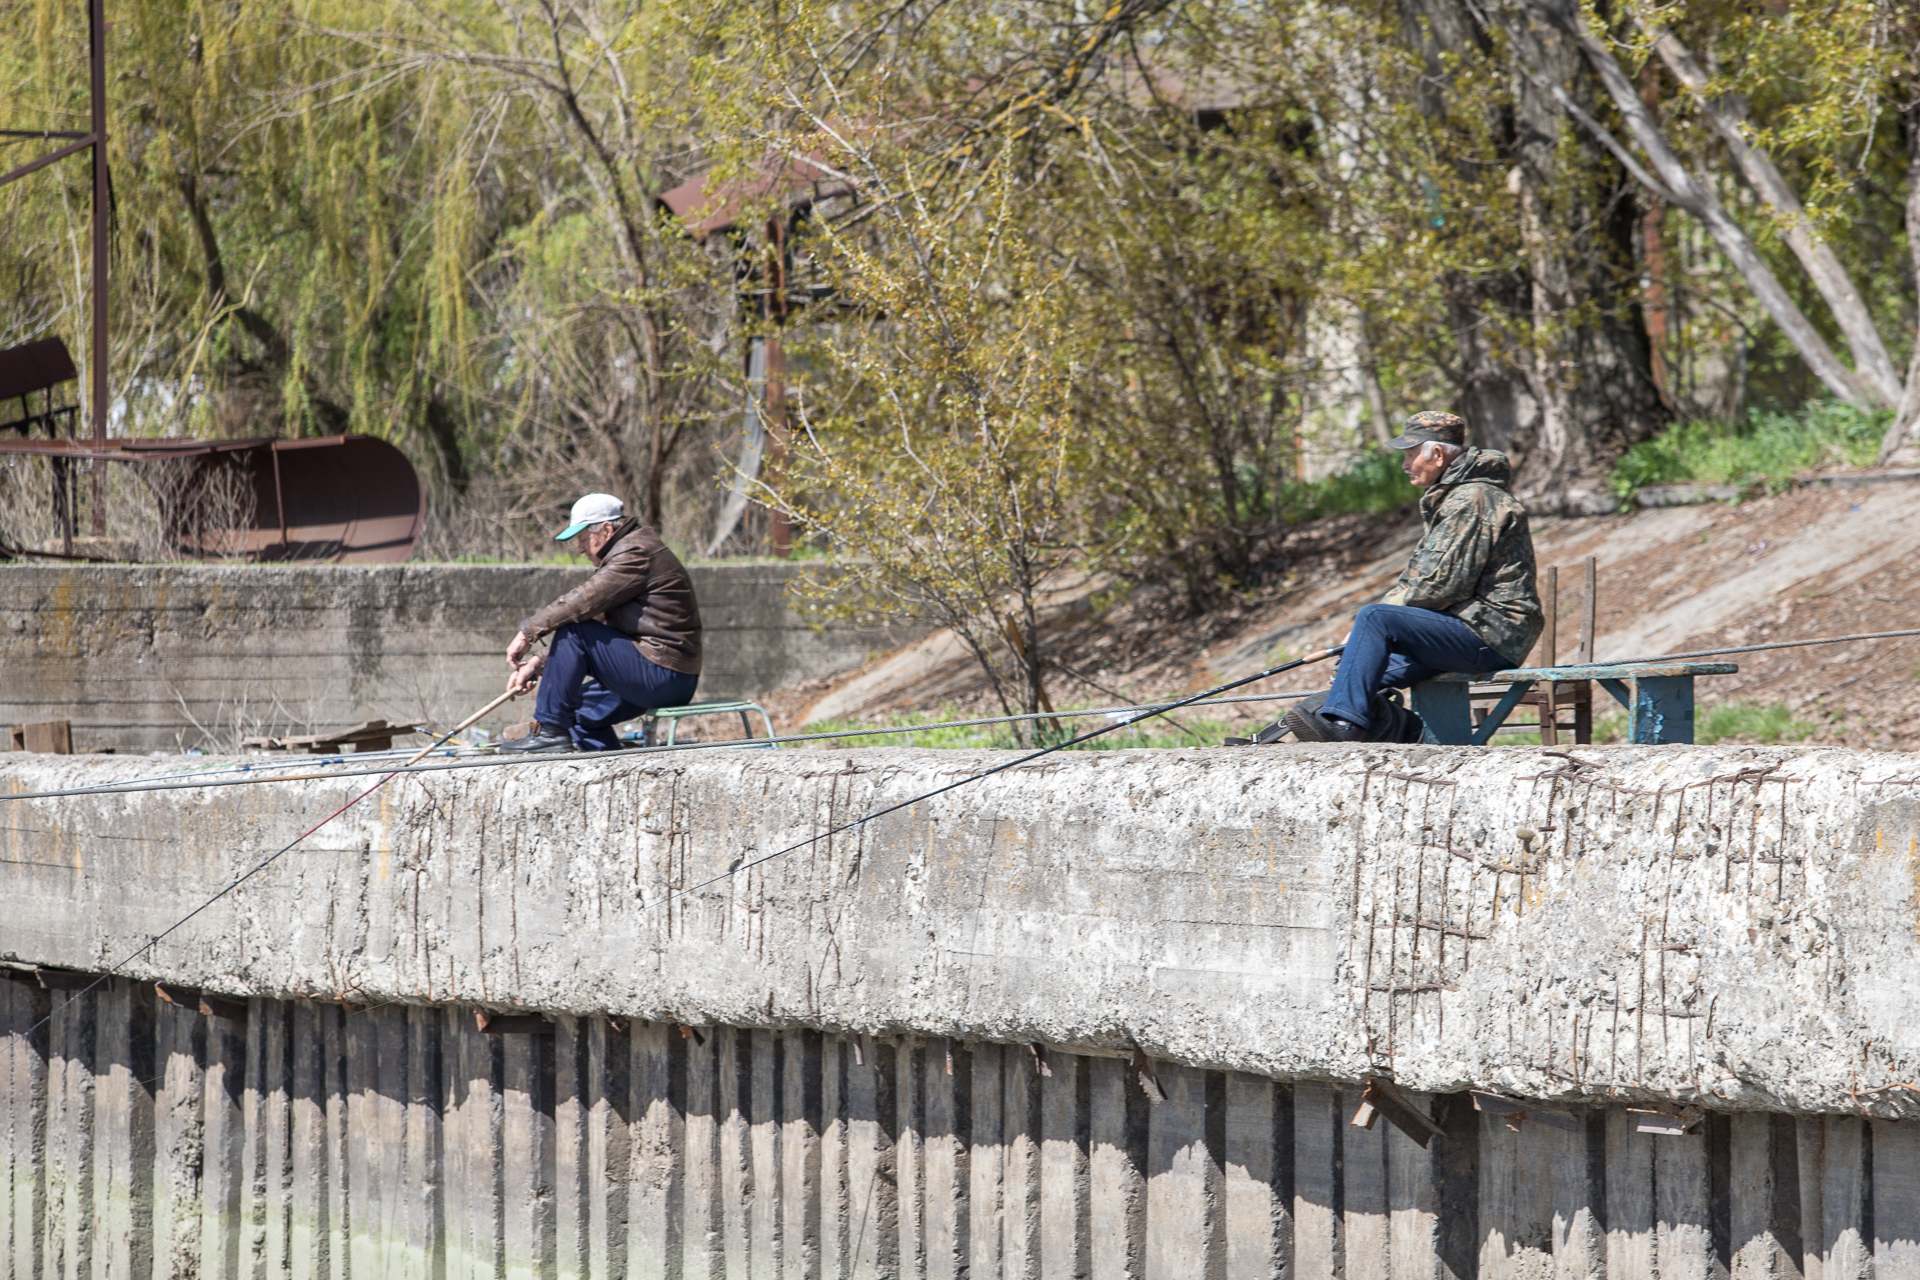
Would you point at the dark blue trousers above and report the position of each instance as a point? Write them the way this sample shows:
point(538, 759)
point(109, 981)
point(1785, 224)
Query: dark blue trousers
point(596, 678)
point(1396, 645)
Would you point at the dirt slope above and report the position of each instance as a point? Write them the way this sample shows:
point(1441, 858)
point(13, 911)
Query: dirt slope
point(1814, 561)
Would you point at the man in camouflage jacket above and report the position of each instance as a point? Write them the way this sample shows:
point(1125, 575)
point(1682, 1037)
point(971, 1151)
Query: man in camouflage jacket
point(1466, 602)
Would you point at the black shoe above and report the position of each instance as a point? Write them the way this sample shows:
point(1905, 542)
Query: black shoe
point(544, 740)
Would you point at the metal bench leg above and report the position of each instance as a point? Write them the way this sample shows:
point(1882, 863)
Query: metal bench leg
point(1446, 710)
point(766, 720)
point(1661, 710)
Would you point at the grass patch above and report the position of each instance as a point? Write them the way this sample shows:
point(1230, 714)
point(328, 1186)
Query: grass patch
point(1372, 482)
point(1766, 449)
point(1751, 722)
point(1157, 732)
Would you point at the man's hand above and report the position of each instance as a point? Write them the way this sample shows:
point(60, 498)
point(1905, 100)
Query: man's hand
point(518, 649)
point(526, 674)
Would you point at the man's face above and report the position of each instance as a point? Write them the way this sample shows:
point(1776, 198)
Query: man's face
point(597, 538)
point(1424, 465)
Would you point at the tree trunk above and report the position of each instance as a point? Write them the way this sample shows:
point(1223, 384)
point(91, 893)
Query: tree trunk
point(1574, 396)
point(1677, 185)
point(1901, 445)
point(1873, 367)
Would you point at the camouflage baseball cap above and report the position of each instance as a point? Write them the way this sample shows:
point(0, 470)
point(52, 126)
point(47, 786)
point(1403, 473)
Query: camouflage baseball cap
point(1431, 427)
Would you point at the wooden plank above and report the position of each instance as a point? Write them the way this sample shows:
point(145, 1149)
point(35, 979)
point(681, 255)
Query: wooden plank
point(1063, 1168)
point(456, 1225)
point(1413, 1220)
point(1579, 1240)
point(1365, 1225)
point(1315, 1229)
point(1116, 1170)
point(23, 1102)
point(800, 1156)
point(571, 1190)
point(1832, 1196)
point(873, 1225)
point(1020, 1161)
point(986, 1161)
point(251, 1216)
point(306, 1144)
point(1681, 1194)
point(1516, 1198)
point(362, 1135)
point(274, 1118)
point(1896, 1200)
point(733, 1083)
point(608, 1144)
point(949, 1073)
point(223, 1135)
point(122, 1131)
point(1630, 1211)
point(1753, 1249)
point(1182, 1180)
point(482, 1137)
point(909, 1156)
point(423, 1195)
point(180, 1064)
point(763, 1137)
point(526, 1158)
point(700, 1177)
point(656, 1180)
point(834, 1211)
point(391, 1198)
point(334, 1043)
point(69, 1148)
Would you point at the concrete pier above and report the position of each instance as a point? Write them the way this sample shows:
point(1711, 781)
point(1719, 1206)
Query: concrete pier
point(1109, 1015)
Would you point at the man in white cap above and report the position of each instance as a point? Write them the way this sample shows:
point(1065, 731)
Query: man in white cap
point(625, 641)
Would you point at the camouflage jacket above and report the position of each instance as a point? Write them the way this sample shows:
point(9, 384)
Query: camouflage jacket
point(1476, 561)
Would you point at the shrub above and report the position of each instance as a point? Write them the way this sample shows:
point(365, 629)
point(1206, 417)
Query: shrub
point(1767, 449)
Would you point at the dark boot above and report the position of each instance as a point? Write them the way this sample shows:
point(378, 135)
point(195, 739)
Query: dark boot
point(545, 739)
point(1307, 724)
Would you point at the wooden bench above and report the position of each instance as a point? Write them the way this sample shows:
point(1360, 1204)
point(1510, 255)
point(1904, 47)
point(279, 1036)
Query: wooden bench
point(1658, 697)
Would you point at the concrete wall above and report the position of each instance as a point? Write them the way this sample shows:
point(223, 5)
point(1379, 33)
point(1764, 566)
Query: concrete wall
point(1727, 929)
point(170, 657)
point(308, 1139)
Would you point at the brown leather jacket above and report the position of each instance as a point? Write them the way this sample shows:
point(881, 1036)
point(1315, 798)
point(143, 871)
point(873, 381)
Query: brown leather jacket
point(640, 587)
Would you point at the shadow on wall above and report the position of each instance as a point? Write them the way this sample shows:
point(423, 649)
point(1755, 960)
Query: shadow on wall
point(319, 1136)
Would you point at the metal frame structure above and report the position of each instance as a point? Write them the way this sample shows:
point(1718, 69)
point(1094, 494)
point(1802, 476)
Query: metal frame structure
point(96, 140)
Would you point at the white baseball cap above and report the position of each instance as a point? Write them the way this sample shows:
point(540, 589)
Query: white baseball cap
point(595, 508)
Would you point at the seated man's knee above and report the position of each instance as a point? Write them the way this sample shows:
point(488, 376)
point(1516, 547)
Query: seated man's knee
point(1372, 617)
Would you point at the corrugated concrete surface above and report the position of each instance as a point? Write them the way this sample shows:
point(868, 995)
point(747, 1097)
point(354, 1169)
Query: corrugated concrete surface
point(144, 657)
point(310, 1139)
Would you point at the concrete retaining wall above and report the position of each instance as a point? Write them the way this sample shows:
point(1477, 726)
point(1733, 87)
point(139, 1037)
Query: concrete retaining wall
point(1727, 929)
point(171, 657)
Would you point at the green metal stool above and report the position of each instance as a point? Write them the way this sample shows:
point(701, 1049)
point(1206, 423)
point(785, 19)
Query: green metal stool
point(674, 715)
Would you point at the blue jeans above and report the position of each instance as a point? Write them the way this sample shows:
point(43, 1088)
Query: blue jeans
point(595, 678)
point(1396, 645)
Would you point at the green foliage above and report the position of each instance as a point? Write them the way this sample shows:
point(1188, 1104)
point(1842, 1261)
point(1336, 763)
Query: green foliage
point(1766, 449)
point(1372, 483)
point(1745, 722)
point(1198, 731)
point(1748, 722)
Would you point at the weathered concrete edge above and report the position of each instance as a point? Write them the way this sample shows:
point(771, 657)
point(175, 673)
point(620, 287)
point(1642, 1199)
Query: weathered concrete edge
point(1218, 908)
